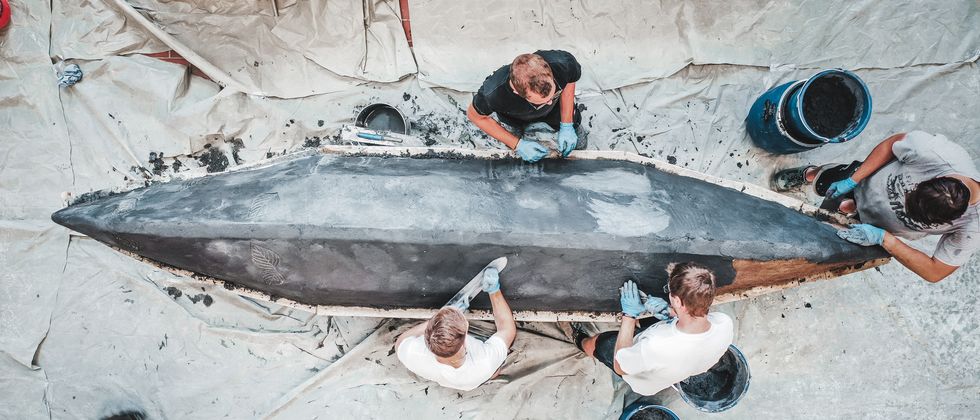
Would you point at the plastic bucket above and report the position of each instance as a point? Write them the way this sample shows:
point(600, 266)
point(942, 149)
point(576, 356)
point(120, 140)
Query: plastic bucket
point(721, 387)
point(382, 117)
point(833, 106)
point(4, 13)
point(766, 122)
point(647, 411)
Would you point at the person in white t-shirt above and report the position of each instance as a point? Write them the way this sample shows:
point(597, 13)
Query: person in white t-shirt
point(440, 349)
point(673, 349)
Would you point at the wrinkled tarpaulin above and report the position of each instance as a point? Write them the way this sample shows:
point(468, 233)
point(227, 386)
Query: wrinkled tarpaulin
point(85, 331)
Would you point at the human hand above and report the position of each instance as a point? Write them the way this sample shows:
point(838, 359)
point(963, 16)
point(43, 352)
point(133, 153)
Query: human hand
point(863, 234)
point(629, 299)
point(841, 187)
point(491, 280)
point(530, 151)
point(657, 307)
point(567, 139)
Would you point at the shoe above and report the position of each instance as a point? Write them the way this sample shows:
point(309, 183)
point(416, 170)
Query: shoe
point(579, 334)
point(791, 179)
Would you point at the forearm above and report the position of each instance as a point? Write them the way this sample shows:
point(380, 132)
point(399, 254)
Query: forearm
point(567, 103)
point(492, 128)
point(925, 266)
point(879, 156)
point(503, 317)
point(624, 339)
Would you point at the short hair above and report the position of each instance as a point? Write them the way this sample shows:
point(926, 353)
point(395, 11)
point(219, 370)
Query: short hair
point(937, 201)
point(529, 72)
point(446, 332)
point(694, 285)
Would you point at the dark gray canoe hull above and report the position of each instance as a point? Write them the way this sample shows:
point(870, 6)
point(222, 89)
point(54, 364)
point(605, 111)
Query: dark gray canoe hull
point(408, 232)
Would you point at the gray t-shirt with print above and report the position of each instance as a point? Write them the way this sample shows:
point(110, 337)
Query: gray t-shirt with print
point(920, 157)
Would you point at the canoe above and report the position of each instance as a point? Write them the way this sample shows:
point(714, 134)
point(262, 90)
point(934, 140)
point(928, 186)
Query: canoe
point(397, 232)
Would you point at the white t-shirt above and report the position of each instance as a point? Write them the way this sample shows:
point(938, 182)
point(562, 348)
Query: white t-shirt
point(662, 355)
point(480, 363)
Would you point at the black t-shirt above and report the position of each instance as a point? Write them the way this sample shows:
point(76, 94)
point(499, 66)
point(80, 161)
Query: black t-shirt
point(497, 96)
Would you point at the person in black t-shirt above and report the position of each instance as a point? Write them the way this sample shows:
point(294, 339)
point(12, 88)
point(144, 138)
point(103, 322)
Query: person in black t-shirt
point(537, 87)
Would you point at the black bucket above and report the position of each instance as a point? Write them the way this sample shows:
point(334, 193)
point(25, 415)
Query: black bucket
point(721, 387)
point(383, 118)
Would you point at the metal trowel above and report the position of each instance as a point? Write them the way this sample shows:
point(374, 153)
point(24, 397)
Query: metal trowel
point(474, 287)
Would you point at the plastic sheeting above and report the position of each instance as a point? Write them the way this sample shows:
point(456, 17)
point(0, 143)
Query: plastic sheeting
point(625, 42)
point(85, 331)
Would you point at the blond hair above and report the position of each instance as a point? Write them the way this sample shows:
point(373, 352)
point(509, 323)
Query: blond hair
point(446, 332)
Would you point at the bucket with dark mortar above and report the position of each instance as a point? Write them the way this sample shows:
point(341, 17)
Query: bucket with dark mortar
point(721, 387)
point(382, 117)
point(833, 106)
point(647, 411)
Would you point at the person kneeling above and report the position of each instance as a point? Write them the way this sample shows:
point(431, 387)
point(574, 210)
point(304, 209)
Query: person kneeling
point(440, 349)
point(671, 350)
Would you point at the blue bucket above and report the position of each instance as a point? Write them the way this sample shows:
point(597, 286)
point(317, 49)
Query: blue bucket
point(647, 411)
point(833, 106)
point(721, 387)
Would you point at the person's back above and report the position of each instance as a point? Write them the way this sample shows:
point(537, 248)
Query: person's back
point(672, 350)
point(441, 351)
point(664, 355)
point(480, 362)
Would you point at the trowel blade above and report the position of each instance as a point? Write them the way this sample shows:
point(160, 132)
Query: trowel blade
point(462, 298)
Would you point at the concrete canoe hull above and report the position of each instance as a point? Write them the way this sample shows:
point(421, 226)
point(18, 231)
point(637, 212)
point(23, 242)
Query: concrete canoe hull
point(400, 234)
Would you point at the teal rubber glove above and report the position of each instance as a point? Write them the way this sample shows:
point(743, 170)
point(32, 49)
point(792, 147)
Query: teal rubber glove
point(567, 139)
point(657, 307)
point(841, 187)
point(863, 234)
point(491, 280)
point(629, 299)
point(531, 151)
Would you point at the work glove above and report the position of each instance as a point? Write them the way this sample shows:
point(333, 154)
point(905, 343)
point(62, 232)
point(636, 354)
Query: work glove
point(567, 139)
point(841, 187)
point(531, 151)
point(657, 307)
point(629, 299)
point(71, 75)
point(491, 280)
point(863, 234)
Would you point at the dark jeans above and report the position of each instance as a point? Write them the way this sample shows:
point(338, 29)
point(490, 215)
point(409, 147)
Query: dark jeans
point(829, 176)
point(605, 344)
point(553, 119)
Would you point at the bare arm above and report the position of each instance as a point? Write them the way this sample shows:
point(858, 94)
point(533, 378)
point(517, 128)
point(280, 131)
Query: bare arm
point(492, 128)
point(930, 269)
point(503, 318)
point(879, 156)
point(623, 340)
point(411, 332)
point(567, 103)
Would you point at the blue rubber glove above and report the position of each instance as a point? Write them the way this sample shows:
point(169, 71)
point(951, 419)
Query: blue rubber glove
point(657, 307)
point(491, 280)
point(71, 75)
point(567, 139)
point(841, 187)
point(863, 234)
point(629, 299)
point(531, 151)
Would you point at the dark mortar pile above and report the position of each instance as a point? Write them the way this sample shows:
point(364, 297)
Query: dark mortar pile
point(651, 413)
point(829, 106)
point(715, 385)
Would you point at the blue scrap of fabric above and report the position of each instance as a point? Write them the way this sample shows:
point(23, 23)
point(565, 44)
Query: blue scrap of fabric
point(71, 75)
